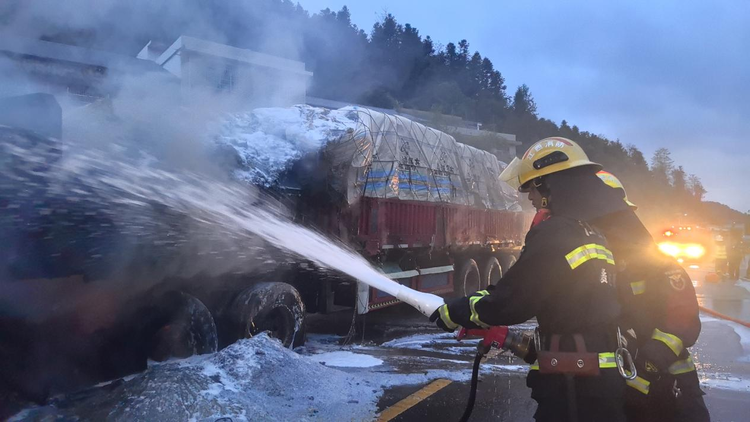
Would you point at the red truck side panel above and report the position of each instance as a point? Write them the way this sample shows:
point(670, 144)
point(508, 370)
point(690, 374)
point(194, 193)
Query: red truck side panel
point(392, 223)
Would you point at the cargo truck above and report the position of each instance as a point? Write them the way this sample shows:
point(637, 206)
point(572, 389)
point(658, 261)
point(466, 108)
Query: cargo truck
point(95, 284)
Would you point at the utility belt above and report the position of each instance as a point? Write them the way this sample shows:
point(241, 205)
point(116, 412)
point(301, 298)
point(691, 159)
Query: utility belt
point(581, 362)
point(606, 360)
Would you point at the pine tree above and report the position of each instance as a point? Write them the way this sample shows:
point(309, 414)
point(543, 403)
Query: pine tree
point(428, 47)
point(679, 182)
point(451, 57)
point(662, 166)
point(474, 76)
point(695, 187)
point(523, 102)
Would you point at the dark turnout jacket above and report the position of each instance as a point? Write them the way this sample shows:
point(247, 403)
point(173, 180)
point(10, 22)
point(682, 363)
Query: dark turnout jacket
point(564, 278)
point(658, 301)
point(655, 292)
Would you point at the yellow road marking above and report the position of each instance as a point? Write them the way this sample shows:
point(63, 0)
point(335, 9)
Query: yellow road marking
point(411, 401)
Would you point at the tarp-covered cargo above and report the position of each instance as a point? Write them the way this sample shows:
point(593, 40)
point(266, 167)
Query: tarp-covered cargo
point(371, 154)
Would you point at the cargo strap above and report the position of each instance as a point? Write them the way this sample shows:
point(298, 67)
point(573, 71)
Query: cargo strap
point(606, 360)
point(585, 253)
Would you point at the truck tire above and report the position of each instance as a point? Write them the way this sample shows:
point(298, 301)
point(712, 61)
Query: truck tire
point(507, 261)
point(491, 272)
point(187, 328)
point(271, 307)
point(467, 279)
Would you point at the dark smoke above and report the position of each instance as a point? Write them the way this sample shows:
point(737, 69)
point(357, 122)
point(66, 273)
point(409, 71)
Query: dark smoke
point(78, 245)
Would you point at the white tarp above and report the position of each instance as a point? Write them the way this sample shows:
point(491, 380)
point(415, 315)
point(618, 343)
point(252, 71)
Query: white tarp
point(368, 153)
point(394, 157)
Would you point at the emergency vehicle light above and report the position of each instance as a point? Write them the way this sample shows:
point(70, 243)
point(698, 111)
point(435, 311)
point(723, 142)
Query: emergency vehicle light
point(669, 248)
point(695, 251)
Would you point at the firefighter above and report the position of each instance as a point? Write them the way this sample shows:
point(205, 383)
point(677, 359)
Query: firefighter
point(660, 317)
point(735, 256)
point(564, 278)
point(720, 256)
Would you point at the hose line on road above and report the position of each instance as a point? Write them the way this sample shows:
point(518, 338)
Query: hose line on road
point(473, 391)
point(722, 316)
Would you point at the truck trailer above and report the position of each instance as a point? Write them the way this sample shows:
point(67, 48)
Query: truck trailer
point(96, 283)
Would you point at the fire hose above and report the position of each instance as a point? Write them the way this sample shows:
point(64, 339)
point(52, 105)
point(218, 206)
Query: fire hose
point(520, 344)
point(500, 337)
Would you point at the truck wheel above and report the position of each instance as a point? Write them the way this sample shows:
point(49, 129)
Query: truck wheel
point(273, 307)
point(467, 279)
point(189, 328)
point(491, 272)
point(507, 261)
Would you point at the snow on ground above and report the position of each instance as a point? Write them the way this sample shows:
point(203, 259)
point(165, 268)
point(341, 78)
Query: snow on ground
point(268, 140)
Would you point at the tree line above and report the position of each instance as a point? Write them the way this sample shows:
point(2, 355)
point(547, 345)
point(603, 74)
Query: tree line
point(393, 65)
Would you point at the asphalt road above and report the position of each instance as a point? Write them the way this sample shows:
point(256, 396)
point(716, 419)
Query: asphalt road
point(408, 344)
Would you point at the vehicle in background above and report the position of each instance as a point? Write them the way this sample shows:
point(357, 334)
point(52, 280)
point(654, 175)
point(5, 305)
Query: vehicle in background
point(692, 246)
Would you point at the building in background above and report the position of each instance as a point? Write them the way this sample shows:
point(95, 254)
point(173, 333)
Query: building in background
point(74, 75)
point(245, 78)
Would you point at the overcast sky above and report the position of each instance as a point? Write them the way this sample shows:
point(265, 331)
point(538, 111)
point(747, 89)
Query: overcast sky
point(672, 74)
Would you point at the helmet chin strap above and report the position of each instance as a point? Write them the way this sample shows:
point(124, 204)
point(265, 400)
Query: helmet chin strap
point(542, 188)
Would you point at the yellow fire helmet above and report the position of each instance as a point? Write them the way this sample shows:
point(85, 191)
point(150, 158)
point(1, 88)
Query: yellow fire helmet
point(610, 180)
point(547, 156)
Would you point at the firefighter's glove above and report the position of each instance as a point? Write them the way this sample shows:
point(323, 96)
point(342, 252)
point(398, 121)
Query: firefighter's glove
point(455, 313)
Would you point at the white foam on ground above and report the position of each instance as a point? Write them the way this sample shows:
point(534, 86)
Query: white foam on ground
point(742, 331)
point(346, 360)
point(392, 380)
point(723, 381)
point(441, 342)
point(505, 368)
point(254, 379)
point(418, 341)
